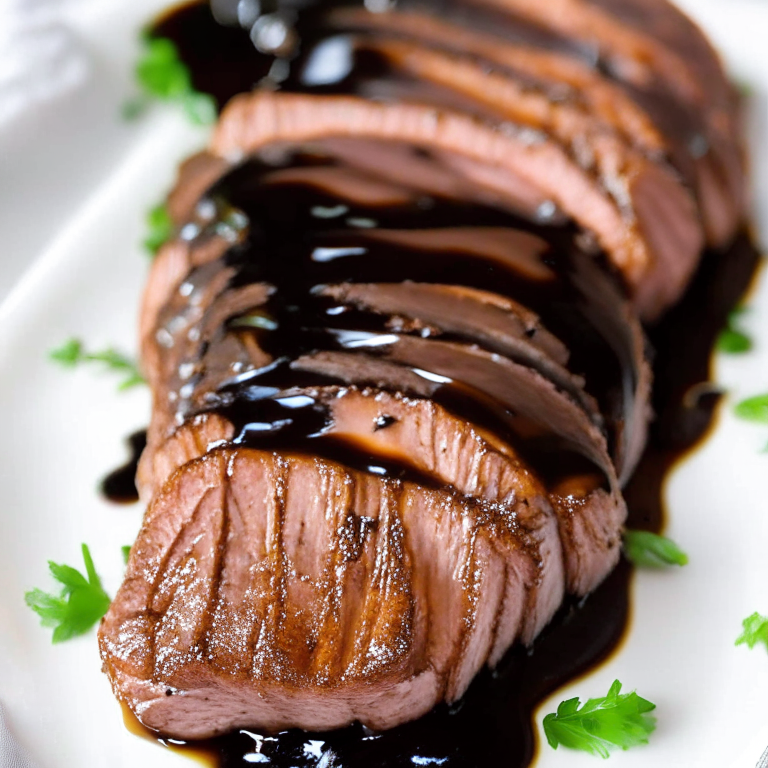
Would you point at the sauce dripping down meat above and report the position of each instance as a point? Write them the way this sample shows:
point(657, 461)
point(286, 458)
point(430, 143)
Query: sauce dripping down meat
point(119, 486)
point(324, 269)
point(494, 720)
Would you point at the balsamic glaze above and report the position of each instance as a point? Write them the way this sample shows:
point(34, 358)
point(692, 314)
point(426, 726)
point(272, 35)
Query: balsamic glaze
point(224, 62)
point(119, 486)
point(286, 244)
point(684, 403)
point(492, 724)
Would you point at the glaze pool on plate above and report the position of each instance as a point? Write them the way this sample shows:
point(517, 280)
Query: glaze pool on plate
point(64, 432)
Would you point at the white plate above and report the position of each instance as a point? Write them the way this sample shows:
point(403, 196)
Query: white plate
point(62, 431)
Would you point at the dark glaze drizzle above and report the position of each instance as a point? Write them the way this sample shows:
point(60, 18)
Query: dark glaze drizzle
point(119, 486)
point(492, 724)
point(498, 705)
point(224, 62)
point(289, 246)
point(493, 721)
point(684, 402)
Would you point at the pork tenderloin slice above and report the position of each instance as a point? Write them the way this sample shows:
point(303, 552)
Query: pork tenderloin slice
point(590, 524)
point(665, 23)
point(523, 391)
point(496, 327)
point(654, 48)
point(558, 75)
point(163, 456)
point(635, 56)
point(421, 436)
point(590, 549)
point(595, 145)
point(346, 183)
point(167, 348)
point(252, 121)
point(491, 319)
point(442, 174)
point(179, 268)
point(516, 250)
point(306, 595)
point(196, 174)
point(611, 314)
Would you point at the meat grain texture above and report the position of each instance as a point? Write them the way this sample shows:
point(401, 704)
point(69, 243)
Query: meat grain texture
point(384, 447)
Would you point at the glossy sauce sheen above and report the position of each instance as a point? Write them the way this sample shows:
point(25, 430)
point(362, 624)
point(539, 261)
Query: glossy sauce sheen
point(492, 724)
point(119, 486)
point(292, 247)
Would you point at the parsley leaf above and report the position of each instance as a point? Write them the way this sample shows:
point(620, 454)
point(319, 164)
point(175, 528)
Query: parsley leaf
point(753, 409)
point(755, 630)
point(732, 339)
point(649, 550)
point(733, 342)
point(160, 71)
point(126, 550)
point(200, 108)
point(72, 353)
point(617, 720)
point(80, 605)
point(68, 354)
point(162, 75)
point(160, 228)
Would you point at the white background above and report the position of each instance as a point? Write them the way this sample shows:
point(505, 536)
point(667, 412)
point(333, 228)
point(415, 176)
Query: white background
point(75, 182)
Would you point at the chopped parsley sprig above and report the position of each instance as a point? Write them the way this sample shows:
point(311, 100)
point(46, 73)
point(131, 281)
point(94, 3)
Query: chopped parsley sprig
point(72, 353)
point(649, 550)
point(753, 409)
point(159, 228)
point(80, 604)
point(755, 630)
point(732, 339)
point(616, 720)
point(162, 75)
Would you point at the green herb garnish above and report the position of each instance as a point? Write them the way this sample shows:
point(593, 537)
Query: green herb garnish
point(755, 630)
point(618, 720)
point(753, 409)
point(162, 75)
point(72, 353)
point(732, 339)
point(200, 108)
point(80, 605)
point(649, 550)
point(126, 550)
point(159, 228)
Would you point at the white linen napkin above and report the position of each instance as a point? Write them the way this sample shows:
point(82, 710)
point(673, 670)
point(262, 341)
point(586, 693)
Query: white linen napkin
point(11, 754)
point(40, 56)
